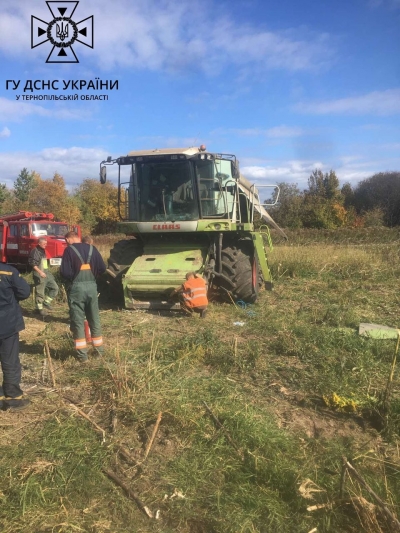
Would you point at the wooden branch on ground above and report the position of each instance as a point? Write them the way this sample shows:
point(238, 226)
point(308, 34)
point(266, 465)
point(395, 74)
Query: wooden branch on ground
point(86, 417)
point(126, 454)
point(388, 389)
point(47, 350)
point(221, 427)
point(342, 477)
point(129, 492)
point(153, 436)
point(389, 515)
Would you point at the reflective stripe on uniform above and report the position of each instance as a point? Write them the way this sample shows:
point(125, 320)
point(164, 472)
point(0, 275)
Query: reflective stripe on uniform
point(5, 272)
point(80, 343)
point(85, 266)
point(195, 292)
point(190, 298)
point(97, 341)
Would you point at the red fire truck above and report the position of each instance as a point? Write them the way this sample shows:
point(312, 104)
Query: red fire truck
point(20, 232)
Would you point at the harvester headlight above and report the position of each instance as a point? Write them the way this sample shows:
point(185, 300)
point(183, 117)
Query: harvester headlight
point(217, 226)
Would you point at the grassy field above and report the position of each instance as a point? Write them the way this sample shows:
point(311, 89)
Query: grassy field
point(239, 423)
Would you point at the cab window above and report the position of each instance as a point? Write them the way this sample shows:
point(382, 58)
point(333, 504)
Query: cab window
point(23, 230)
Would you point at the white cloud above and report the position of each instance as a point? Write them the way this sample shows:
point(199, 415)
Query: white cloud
point(288, 171)
point(351, 168)
point(168, 142)
point(390, 4)
point(171, 35)
point(374, 103)
point(277, 132)
point(14, 31)
point(74, 164)
point(13, 110)
point(4, 133)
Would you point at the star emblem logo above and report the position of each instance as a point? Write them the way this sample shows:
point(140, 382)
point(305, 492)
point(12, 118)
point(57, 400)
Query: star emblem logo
point(62, 31)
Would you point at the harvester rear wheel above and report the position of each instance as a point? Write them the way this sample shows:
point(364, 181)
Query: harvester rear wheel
point(241, 275)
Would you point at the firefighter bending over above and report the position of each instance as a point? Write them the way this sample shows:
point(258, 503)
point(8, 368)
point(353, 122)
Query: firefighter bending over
point(193, 294)
point(81, 265)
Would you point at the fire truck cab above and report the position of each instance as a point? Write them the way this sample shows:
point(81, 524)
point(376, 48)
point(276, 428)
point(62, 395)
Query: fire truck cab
point(20, 233)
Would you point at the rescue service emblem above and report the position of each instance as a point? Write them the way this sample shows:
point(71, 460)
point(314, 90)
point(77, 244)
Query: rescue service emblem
point(62, 31)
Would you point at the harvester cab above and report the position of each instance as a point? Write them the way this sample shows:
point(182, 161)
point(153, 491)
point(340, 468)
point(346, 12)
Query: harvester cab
point(186, 210)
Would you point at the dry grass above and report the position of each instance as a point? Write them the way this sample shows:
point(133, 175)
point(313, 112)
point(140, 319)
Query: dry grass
point(264, 382)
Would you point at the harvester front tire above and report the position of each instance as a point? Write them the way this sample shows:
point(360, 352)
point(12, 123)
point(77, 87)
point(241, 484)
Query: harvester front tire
point(121, 258)
point(123, 255)
point(241, 277)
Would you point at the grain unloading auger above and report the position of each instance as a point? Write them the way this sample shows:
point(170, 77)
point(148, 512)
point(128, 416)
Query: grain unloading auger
point(184, 210)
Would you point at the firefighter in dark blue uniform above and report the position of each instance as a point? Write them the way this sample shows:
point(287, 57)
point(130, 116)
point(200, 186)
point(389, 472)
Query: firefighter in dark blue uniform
point(13, 288)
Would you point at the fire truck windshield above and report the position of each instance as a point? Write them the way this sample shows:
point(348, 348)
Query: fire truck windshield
point(45, 228)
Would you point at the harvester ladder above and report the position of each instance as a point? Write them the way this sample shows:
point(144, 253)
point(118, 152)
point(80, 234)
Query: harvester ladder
point(264, 230)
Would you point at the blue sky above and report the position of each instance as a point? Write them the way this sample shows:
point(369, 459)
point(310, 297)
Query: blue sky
point(286, 86)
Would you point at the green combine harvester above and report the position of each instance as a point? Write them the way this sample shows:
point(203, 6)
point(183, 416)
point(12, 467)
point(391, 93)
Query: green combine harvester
point(185, 210)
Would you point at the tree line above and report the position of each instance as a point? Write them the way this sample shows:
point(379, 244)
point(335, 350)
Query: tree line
point(324, 204)
point(374, 201)
point(91, 205)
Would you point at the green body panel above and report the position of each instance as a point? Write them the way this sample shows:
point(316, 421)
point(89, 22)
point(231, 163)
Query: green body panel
point(161, 269)
point(259, 250)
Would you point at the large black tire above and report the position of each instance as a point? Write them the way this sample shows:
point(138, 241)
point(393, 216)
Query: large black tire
point(121, 258)
point(241, 276)
point(123, 255)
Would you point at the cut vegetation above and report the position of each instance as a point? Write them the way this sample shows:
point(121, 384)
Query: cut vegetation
point(277, 417)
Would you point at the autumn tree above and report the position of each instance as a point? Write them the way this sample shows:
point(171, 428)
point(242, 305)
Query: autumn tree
point(323, 201)
point(323, 185)
point(348, 195)
point(288, 210)
point(24, 185)
point(51, 196)
point(99, 205)
point(381, 192)
point(6, 199)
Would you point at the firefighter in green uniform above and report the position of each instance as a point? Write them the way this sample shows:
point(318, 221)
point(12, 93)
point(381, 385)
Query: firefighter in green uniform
point(81, 265)
point(46, 288)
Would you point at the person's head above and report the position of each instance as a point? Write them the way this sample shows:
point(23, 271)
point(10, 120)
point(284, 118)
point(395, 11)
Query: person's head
point(72, 237)
point(190, 275)
point(88, 239)
point(42, 243)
